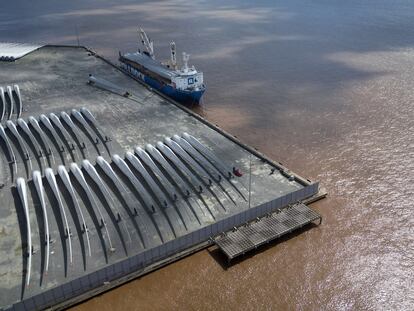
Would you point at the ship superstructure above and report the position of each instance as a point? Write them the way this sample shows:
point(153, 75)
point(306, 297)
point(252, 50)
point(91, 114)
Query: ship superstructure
point(185, 85)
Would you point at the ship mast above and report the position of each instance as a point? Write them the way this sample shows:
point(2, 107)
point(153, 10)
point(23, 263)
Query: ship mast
point(173, 55)
point(186, 57)
point(148, 43)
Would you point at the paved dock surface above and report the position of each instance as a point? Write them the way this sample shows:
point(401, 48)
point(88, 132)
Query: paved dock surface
point(174, 180)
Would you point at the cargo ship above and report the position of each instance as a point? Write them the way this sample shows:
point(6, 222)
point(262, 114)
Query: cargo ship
point(185, 85)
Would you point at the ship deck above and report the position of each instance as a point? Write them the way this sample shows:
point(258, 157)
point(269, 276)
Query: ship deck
point(151, 65)
point(149, 213)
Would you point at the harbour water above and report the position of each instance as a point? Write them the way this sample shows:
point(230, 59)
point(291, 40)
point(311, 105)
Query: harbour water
point(326, 88)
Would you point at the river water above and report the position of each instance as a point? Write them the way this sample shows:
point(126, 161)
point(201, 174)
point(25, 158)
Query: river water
point(326, 88)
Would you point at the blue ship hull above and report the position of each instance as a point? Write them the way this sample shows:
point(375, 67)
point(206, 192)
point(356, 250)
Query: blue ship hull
point(186, 97)
point(163, 84)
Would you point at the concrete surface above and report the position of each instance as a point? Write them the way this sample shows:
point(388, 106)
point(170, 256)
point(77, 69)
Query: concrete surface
point(54, 79)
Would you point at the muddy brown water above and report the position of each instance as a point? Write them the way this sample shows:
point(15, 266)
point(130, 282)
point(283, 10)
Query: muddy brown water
point(326, 88)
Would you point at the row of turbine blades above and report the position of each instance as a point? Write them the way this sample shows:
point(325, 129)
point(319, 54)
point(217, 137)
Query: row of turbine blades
point(67, 134)
point(165, 176)
point(10, 102)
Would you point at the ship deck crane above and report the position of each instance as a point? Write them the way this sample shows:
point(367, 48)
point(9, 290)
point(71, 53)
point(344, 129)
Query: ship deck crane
point(148, 43)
